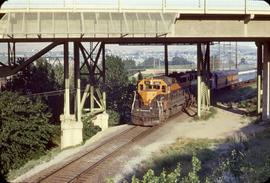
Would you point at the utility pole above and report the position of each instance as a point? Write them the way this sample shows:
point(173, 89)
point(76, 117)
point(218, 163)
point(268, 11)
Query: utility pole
point(224, 53)
point(219, 54)
point(230, 60)
point(236, 55)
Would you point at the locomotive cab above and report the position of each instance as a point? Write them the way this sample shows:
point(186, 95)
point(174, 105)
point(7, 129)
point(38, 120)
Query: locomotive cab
point(149, 89)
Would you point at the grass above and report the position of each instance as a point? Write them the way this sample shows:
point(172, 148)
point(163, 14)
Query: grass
point(237, 94)
point(244, 156)
point(206, 115)
point(241, 100)
point(181, 151)
point(31, 164)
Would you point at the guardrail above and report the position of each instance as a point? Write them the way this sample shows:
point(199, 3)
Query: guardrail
point(181, 6)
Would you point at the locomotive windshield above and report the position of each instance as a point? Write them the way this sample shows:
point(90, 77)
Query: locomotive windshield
point(152, 85)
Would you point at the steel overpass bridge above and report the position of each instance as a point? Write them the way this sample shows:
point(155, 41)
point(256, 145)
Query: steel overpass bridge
point(162, 23)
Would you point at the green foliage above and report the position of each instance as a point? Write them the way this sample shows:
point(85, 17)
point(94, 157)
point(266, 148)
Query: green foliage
point(135, 180)
point(193, 175)
point(114, 118)
point(151, 63)
point(140, 76)
point(89, 129)
point(119, 91)
point(206, 115)
point(250, 105)
point(180, 61)
point(173, 177)
point(25, 131)
point(37, 78)
point(129, 64)
point(150, 177)
point(116, 74)
point(248, 161)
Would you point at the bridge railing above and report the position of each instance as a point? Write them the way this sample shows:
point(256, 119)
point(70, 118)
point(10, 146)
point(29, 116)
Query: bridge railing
point(176, 6)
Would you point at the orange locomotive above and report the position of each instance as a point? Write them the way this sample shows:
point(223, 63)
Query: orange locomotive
point(159, 98)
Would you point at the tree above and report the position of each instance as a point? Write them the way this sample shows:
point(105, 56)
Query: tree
point(243, 61)
point(25, 131)
point(140, 76)
point(36, 78)
point(129, 64)
point(151, 63)
point(116, 75)
point(118, 88)
point(180, 61)
point(40, 77)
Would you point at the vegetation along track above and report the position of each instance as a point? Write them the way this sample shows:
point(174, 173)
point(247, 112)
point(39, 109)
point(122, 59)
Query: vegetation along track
point(85, 162)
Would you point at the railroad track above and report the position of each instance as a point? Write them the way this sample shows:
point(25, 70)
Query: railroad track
point(85, 164)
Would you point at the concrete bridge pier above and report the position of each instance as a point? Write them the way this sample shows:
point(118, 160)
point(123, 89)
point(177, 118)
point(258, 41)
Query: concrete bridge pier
point(166, 61)
point(71, 125)
point(266, 82)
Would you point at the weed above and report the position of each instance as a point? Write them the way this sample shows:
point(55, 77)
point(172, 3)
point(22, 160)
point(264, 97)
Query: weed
point(206, 115)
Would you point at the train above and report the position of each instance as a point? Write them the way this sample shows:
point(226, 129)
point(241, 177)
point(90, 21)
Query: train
point(161, 97)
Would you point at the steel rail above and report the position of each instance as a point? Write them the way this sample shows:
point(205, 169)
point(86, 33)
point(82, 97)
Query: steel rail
point(85, 154)
point(85, 174)
point(95, 165)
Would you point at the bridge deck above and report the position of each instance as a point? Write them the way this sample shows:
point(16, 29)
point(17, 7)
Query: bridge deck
point(115, 19)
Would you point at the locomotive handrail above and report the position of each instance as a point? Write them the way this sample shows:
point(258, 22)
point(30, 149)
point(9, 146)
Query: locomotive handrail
point(134, 99)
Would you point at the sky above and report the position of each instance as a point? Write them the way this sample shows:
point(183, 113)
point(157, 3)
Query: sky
point(252, 4)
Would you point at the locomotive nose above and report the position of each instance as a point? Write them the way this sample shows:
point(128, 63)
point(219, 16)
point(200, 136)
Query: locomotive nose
point(147, 97)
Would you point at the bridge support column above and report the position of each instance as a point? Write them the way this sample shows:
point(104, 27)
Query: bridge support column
point(259, 77)
point(71, 125)
point(94, 68)
point(199, 80)
point(266, 82)
point(166, 62)
point(203, 77)
point(67, 82)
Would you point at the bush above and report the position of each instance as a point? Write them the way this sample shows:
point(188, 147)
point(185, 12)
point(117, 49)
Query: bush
point(89, 129)
point(25, 131)
point(114, 118)
point(174, 176)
